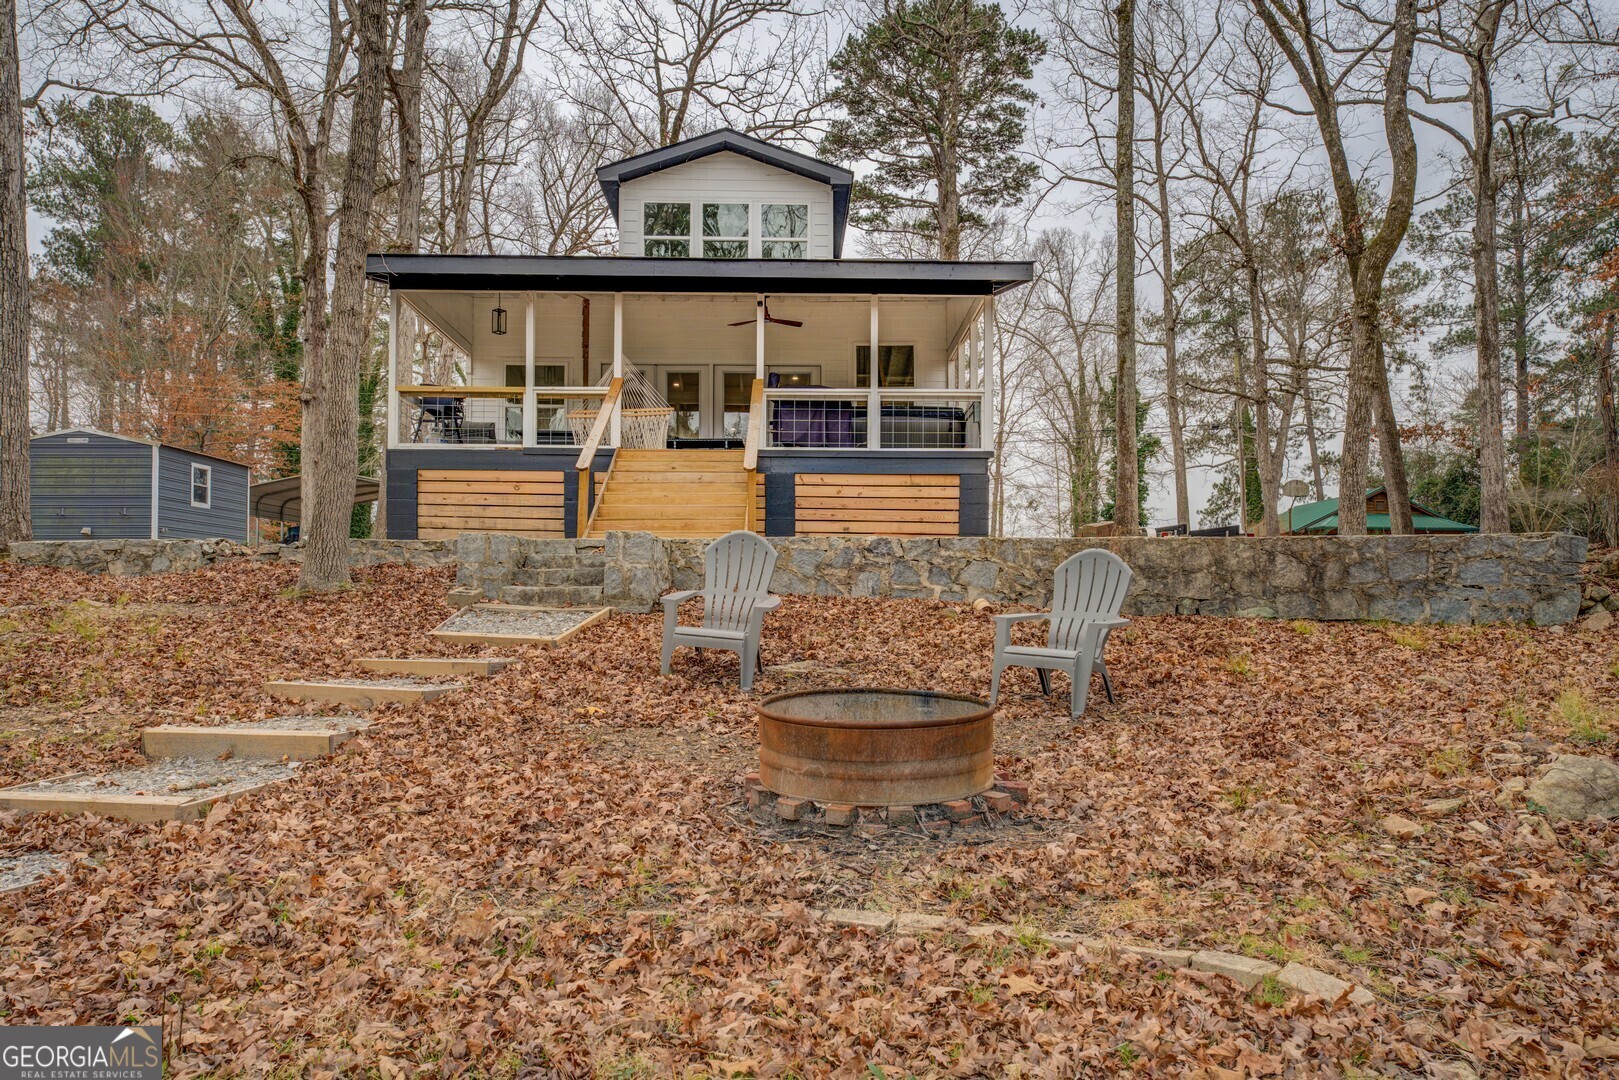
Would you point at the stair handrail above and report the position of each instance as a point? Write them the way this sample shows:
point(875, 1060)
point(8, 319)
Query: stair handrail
point(587, 453)
point(750, 452)
point(598, 430)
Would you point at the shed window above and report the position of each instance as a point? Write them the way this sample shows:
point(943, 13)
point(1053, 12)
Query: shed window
point(725, 230)
point(202, 485)
point(667, 229)
point(785, 227)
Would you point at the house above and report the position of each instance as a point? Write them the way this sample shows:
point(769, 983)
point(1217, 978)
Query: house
point(727, 369)
point(1321, 518)
point(91, 485)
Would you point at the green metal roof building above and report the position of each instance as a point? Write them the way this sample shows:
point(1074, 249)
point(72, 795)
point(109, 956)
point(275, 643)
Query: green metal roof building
point(1321, 518)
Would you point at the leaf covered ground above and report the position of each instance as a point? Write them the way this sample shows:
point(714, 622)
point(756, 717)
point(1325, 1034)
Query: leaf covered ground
point(454, 891)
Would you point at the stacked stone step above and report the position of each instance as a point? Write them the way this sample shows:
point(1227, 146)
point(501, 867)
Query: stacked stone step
point(990, 807)
point(553, 573)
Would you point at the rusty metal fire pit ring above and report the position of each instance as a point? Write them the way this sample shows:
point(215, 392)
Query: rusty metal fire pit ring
point(862, 746)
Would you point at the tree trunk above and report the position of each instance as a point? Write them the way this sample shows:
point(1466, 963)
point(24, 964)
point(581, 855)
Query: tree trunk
point(1172, 392)
point(16, 522)
point(1395, 482)
point(406, 84)
point(1610, 431)
point(1126, 495)
point(332, 384)
point(1492, 455)
point(1520, 295)
point(1270, 472)
point(1317, 475)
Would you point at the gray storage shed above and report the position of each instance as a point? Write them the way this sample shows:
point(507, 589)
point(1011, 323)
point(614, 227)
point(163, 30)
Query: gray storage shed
point(92, 485)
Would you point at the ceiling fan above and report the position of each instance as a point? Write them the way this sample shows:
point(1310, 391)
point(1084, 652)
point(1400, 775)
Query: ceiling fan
point(768, 317)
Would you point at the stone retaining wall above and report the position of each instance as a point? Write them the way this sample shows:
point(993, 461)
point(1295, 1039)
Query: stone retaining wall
point(1406, 579)
point(133, 558)
point(1403, 579)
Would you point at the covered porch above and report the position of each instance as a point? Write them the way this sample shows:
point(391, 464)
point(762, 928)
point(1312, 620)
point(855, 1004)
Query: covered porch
point(807, 383)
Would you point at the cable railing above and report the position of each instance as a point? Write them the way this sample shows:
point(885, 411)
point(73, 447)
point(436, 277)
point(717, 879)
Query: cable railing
point(894, 418)
point(494, 415)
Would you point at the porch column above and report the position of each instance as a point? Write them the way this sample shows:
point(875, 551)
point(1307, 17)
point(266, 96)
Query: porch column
point(759, 336)
point(613, 431)
point(529, 420)
point(393, 372)
point(990, 364)
point(874, 408)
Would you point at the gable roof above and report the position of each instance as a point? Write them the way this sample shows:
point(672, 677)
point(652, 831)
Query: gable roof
point(728, 140)
point(132, 439)
point(1322, 517)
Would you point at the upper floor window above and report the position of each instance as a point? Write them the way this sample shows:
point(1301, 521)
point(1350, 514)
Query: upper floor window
point(666, 227)
point(785, 228)
point(725, 230)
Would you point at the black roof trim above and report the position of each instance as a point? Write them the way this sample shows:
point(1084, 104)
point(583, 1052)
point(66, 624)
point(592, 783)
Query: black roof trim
point(841, 180)
point(779, 277)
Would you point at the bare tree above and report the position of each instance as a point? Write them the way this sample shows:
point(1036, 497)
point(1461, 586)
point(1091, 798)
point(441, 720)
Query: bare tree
point(1308, 46)
point(332, 386)
point(15, 520)
point(654, 73)
point(1127, 494)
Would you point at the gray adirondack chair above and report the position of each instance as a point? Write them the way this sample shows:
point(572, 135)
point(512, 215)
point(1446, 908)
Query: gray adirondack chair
point(1087, 592)
point(736, 598)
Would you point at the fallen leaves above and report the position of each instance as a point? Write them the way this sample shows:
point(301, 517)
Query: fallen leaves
point(451, 891)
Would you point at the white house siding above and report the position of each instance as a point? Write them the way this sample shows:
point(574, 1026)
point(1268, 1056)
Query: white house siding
point(725, 177)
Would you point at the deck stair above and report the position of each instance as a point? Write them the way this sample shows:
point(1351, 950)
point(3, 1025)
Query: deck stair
point(559, 573)
point(674, 493)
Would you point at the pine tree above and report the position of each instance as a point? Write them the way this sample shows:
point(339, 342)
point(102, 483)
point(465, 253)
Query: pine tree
point(934, 94)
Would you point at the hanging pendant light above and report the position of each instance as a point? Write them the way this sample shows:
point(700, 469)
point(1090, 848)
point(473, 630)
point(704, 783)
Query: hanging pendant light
point(497, 319)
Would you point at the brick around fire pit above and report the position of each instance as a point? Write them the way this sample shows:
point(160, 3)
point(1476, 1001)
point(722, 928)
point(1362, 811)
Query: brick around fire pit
point(989, 807)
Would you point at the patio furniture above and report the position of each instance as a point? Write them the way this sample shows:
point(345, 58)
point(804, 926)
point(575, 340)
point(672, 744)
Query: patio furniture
point(1087, 591)
point(444, 417)
point(736, 598)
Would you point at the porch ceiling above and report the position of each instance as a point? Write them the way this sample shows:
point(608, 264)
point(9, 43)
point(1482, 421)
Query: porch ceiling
point(780, 277)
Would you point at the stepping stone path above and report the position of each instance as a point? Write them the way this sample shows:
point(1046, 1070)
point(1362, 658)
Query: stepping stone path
point(435, 665)
point(20, 871)
point(513, 624)
point(174, 789)
point(361, 693)
point(297, 738)
point(193, 767)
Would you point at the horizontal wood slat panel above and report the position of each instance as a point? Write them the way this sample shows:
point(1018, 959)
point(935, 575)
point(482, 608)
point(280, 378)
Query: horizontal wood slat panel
point(503, 475)
point(479, 513)
point(451, 534)
point(874, 528)
point(806, 502)
point(486, 498)
point(472, 524)
point(882, 479)
point(950, 517)
point(893, 495)
point(853, 504)
point(488, 488)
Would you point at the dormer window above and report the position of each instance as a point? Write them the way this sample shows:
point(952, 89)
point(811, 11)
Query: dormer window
point(725, 230)
point(667, 230)
point(785, 227)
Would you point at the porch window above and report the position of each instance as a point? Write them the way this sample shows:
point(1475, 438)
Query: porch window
point(725, 230)
point(666, 227)
point(785, 227)
point(738, 398)
point(683, 391)
point(896, 365)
